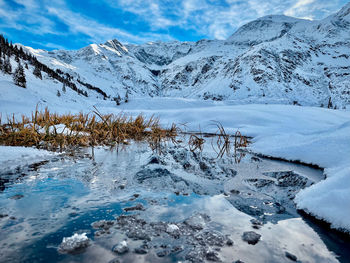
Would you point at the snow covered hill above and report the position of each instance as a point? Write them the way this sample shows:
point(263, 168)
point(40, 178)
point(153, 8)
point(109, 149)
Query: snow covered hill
point(274, 59)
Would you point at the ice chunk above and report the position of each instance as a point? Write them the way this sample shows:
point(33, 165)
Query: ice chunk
point(121, 248)
point(172, 228)
point(74, 243)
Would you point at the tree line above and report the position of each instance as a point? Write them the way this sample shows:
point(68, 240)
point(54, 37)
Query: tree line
point(8, 51)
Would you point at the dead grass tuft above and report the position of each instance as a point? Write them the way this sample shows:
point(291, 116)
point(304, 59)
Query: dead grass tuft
point(51, 131)
point(222, 144)
point(57, 132)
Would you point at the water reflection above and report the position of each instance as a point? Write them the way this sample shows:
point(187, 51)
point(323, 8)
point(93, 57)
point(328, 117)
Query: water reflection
point(65, 196)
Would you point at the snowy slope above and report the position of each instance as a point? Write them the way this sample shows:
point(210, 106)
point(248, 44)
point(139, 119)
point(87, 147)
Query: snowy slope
point(42, 92)
point(264, 29)
point(274, 59)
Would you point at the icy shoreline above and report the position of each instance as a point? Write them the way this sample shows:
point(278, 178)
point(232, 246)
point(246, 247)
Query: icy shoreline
point(311, 135)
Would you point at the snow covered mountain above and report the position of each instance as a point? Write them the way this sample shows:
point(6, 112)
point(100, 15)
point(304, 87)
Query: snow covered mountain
point(274, 59)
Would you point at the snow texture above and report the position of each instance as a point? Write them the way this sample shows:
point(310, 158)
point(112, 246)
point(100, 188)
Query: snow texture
point(12, 157)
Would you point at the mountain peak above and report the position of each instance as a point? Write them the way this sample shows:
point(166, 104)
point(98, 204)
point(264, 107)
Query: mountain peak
point(280, 19)
point(264, 29)
point(116, 45)
point(344, 12)
point(333, 26)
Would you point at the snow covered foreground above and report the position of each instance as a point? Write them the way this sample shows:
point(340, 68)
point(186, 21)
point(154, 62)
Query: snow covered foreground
point(13, 157)
point(309, 134)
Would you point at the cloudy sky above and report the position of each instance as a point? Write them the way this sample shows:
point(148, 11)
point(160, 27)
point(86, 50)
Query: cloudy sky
point(72, 24)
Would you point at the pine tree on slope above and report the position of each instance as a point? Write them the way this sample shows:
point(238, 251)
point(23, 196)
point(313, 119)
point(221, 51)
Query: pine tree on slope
point(1, 64)
point(19, 77)
point(7, 68)
point(1, 61)
point(118, 99)
point(126, 98)
point(37, 72)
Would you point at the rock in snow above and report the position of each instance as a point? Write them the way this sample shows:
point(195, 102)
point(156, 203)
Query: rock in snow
point(121, 248)
point(291, 256)
point(251, 237)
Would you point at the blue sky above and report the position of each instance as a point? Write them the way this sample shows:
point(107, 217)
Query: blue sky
point(72, 24)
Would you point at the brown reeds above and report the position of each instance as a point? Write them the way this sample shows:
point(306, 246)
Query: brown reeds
point(240, 141)
point(51, 131)
point(56, 132)
point(159, 137)
point(196, 143)
point(222, 143)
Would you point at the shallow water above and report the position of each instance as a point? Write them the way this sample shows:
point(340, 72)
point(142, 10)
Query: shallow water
point(67, 194)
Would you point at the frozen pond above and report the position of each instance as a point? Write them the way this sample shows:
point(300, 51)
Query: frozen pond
point(174, 207)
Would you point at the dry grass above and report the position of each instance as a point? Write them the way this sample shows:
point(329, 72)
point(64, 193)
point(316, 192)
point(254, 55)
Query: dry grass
point(196, 143)
point(158, 137)
point(40, 130)
point(240, 141)
point(222, 144)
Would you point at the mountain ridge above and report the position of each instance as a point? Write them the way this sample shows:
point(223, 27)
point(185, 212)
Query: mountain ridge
point(274, 59)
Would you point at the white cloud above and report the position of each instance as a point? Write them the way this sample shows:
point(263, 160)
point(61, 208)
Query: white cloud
point(299, 7)
point(97, 32)
point(210, 18)
point(49, 45)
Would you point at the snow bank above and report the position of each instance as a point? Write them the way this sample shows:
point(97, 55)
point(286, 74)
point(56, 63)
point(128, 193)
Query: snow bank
point(329, 199)
point(12, 157)
point(330, 149)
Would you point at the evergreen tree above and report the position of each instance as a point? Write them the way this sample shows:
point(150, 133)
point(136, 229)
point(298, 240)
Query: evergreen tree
point(19, 77)
point(58, 93)
point(117, 99)
point(37, 72)
point(64, 87)
point(1, 64)
point(7, 68)
point(330, 104)
point(126, 98)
